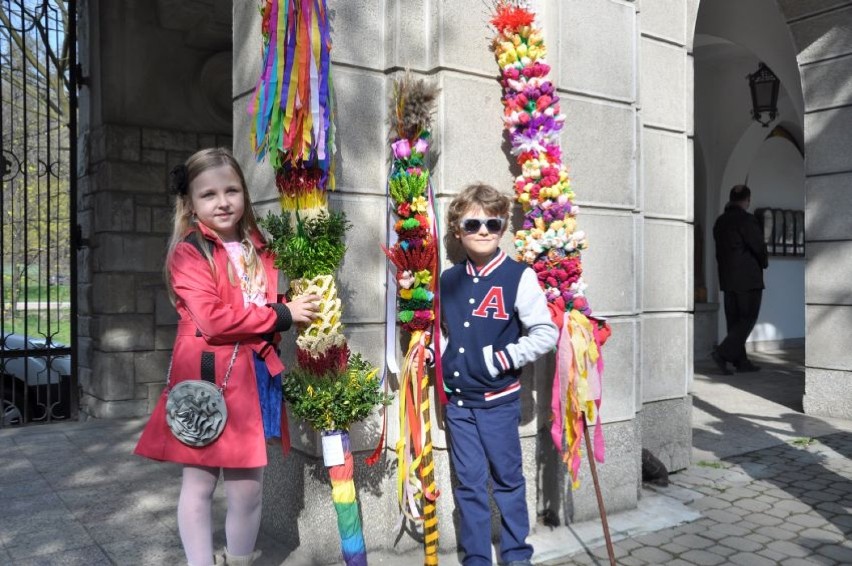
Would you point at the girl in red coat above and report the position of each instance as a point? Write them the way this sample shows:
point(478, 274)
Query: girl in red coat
point(224, 287)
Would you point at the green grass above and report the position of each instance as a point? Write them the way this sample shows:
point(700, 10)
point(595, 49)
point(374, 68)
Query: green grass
point(803, 442)
point(61, 293)
point(37, 326)
point(710, 464)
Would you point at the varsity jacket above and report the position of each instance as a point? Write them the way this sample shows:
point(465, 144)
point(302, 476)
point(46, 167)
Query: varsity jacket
point(485, 313)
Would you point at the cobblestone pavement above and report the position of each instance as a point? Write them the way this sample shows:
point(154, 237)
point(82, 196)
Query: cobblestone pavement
point(789, 505)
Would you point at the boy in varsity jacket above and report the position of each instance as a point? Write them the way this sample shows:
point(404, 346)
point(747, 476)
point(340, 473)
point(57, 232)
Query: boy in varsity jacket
point(495, 320)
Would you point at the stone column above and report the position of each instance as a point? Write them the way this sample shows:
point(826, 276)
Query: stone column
point(823, 37)
point(666, 219)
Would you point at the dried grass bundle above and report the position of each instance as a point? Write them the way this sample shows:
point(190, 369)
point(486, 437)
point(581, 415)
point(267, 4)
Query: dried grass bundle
point(412, 106)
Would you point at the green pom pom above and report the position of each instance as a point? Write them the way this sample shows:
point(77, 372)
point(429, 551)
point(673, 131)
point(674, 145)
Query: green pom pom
point(406, 316)
point(420, 294)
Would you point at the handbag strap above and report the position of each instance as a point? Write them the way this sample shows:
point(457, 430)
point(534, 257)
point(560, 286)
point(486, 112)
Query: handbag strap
point(224, 381)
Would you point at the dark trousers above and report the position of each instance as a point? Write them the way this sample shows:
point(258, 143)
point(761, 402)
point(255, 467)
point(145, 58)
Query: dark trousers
point(484, 444)
point(741, 310)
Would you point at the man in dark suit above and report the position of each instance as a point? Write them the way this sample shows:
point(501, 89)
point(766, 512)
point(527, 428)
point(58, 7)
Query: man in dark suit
point(741, 256)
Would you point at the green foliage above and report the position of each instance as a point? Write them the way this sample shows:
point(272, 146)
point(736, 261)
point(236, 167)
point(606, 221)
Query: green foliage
point(715, 464)
point(334, 401)
point(803, 442)
point(36, 292)
point(313, 247)
point(37, 326)
point(406, 188)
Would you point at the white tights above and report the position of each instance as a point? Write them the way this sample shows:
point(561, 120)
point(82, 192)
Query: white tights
point(243, 491)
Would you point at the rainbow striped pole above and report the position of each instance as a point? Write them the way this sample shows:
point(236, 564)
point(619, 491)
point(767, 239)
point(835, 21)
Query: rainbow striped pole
point(346, 505)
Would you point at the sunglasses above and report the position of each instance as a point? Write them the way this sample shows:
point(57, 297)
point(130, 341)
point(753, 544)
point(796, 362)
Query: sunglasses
point(472, 225)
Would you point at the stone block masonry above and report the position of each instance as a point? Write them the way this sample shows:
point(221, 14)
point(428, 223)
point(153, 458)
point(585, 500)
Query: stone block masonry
point(126, 318)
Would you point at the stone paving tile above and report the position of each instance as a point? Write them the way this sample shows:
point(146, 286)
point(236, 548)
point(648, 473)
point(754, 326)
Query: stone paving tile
point(789, 548)
point(86, 556)
point(796, 562)
point(703, 557)
point(722, 516)
point(130, 553)
point(126, 527)
point(676, 549)
point(809, 520)
point(722, 550)
point(652, 555)
point(751, 559)
point(752, 505)
point(741, 543)
point(30, 487)
point(27, 544)
point(16, 471)
point(825, 535)
point(693, 541)
point(840, 553)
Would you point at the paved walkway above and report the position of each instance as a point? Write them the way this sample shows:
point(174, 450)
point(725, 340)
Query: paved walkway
point(768, 485)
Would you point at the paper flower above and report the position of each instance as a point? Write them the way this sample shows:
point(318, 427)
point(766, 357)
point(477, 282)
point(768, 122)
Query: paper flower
point(401, 148)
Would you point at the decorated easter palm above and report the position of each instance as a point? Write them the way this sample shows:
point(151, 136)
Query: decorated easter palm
point(550, 240)
point(413, 251)
point(292, 125)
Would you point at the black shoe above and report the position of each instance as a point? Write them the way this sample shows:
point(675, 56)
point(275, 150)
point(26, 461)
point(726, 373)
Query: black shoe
point(721, 363)
point(747, 367)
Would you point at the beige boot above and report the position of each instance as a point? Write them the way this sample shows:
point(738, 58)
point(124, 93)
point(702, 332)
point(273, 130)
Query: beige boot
point(247, 560)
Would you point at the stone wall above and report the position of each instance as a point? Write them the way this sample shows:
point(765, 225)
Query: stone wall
point(127, 322)
point(637, 210)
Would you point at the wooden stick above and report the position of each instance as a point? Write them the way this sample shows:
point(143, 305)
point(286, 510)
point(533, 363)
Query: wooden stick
point(601, 508)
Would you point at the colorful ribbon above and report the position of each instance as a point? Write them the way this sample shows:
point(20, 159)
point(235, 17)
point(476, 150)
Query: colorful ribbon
point(293, 101)
point(346, 505)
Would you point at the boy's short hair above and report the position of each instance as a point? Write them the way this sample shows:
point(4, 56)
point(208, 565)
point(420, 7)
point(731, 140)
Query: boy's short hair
point(492, 201)
point(739, 193)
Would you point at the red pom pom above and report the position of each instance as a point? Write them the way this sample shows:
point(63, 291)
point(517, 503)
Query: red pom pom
point(510, 17)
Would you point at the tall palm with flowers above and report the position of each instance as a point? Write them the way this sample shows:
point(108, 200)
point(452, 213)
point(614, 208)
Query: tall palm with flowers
point(413, 251)
point(549, 239)
point(293, 125)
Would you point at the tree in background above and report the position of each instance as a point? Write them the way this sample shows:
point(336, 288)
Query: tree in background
point(34, 156)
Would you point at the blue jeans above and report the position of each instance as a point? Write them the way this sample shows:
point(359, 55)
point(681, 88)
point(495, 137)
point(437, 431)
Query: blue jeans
point(484, 444)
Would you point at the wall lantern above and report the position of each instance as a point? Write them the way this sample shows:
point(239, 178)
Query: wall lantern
point(763, 85)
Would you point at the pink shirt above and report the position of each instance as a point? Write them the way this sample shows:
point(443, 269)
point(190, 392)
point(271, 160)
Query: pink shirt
point(253, 291)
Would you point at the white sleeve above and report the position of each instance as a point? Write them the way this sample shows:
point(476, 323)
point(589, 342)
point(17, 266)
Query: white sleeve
point(541, 332)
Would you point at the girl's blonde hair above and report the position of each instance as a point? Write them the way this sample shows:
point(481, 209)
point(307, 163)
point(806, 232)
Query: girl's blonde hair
point(184, 221)
point(492, 202)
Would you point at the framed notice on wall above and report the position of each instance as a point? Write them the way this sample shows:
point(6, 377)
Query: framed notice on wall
point(783, 231)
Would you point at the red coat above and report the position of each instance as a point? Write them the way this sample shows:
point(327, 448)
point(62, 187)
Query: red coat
point(212, 319)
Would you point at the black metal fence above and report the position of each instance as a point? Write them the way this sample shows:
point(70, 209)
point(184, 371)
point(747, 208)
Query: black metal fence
point(38, 123)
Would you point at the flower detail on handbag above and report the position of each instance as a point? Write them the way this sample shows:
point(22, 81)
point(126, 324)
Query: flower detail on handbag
point(196, 412)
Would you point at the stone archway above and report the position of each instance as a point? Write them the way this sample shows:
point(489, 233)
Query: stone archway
point(819, 35)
